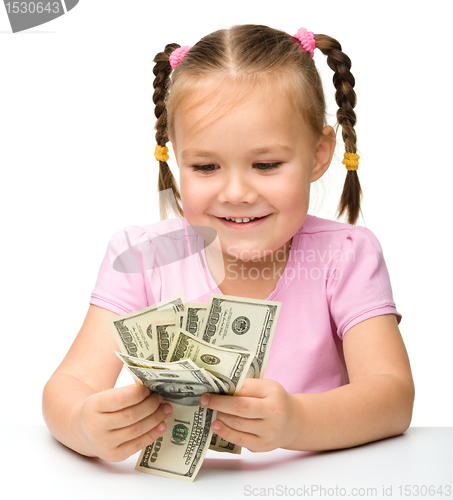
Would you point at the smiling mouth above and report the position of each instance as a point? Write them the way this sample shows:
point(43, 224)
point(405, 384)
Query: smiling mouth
point(242, 220)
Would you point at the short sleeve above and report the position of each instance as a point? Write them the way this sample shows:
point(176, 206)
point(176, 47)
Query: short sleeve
point(358, 286)
point(121, 283)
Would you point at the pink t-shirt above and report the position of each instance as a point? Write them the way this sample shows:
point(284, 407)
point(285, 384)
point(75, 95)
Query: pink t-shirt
point(335, 277)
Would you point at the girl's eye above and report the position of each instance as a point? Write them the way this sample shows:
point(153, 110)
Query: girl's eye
point(204, 168)
point(262, 167)
point(267, 166)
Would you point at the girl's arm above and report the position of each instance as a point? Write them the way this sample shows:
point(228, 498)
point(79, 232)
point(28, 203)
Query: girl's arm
point(377, 403)
point(85, 413)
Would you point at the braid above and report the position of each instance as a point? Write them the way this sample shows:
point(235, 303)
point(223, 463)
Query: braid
point(162, 71)
point(345, 97)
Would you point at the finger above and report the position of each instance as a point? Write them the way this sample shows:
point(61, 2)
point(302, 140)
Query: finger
point(233, 405)
point(128, 448)
point(121, 397)
point(248, 425)
point(144, 426)
point(132, 414)
point(247, 440)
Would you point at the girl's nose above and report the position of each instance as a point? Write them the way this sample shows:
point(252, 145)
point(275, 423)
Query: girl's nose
point(237, 188)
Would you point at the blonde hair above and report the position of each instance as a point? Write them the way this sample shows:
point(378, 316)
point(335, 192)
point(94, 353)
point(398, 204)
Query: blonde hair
point(259, 58)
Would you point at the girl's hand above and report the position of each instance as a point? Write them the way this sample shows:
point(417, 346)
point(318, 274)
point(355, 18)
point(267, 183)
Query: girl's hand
point(258, 418)
point(117, 423)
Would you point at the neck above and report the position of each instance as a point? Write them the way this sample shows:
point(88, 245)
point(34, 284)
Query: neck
point(234, 273)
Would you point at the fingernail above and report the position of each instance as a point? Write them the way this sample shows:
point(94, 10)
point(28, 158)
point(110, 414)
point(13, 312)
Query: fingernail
point(159, 398)
point(216, 426)
point(205, 400)
point(167, 409)
point(161, 427)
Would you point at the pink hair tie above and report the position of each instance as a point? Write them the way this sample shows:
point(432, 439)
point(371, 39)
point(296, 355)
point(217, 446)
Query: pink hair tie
point(178, 55)
point(307, 40)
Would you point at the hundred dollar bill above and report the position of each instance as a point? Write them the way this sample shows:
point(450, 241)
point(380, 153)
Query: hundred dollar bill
point(133, 331)
point(184, 386)
point(180, 451)
point(193, 318)
point(184, 364)
point(244, 324)
point(235, 323)
point(241, 323)
point(229, 365)
point(163, 333)
point(223, 389)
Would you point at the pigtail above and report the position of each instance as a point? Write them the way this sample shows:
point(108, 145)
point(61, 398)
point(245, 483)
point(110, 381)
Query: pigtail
point(345, 97)
point(162, 71)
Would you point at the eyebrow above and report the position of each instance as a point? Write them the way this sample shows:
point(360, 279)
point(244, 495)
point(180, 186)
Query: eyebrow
point(274, 148)
point(197, 153)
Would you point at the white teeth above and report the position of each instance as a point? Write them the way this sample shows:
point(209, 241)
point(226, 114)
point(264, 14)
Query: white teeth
point(245, 219)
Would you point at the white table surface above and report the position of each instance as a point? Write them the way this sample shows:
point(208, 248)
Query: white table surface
point(33, 462)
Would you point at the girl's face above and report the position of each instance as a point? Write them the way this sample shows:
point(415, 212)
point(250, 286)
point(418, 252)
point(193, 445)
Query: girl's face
point(256, 161)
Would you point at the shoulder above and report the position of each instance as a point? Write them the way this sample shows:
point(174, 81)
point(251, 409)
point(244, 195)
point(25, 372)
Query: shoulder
point(336, 234)
point(357, 283)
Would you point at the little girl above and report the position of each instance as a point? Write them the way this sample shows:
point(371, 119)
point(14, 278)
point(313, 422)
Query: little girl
point(244, 110)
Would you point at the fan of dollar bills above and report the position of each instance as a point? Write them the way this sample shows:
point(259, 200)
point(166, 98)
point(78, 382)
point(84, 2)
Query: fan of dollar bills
point(182, 350)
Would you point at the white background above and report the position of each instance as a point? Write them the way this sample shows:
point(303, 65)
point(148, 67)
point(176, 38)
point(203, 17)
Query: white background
point(76, 157)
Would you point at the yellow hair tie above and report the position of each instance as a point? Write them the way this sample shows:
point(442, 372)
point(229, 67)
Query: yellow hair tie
point(351, 160)
point(161, 153)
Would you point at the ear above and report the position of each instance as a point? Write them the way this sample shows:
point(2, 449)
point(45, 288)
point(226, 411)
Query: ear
point(323, 153)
